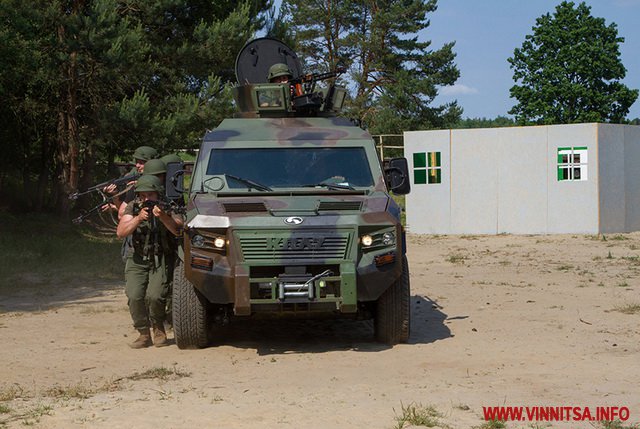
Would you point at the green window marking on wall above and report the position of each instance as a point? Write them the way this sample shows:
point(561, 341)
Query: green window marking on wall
point(434, 159)
point(572, 163)
point(419, 160)
point(435, 175)
point(427, 168)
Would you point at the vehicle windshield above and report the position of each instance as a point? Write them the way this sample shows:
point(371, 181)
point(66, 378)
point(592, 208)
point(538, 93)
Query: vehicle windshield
point(344, 167)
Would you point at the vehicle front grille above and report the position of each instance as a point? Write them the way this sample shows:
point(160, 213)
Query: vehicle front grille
point(294, 247)
point(339, 205)
point(244, 207)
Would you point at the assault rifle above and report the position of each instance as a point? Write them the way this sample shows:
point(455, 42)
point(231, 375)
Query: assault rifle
point(119, 182)
point(121, 188)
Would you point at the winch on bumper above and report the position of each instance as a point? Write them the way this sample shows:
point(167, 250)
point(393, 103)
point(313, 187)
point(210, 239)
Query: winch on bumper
point(310, 270)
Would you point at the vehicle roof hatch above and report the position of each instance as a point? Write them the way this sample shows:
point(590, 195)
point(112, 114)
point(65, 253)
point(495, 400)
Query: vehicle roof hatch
point(257, 56)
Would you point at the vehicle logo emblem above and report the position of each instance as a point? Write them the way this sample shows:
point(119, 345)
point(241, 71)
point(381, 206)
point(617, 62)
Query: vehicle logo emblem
point(293, 220)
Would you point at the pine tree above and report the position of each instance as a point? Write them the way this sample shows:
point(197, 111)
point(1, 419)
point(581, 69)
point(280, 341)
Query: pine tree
point(393, 77)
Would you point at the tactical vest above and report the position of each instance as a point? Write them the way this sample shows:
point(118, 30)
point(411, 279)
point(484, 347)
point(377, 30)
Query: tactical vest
point(151, 238)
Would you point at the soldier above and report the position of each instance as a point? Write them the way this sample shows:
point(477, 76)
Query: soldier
point(147, 266)
point(141, 155)
point(172, 157)
point(279, 73)
point(157, 167)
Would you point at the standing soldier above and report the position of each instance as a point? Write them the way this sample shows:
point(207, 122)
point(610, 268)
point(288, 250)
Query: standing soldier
point(157, 167)
point(147, 266)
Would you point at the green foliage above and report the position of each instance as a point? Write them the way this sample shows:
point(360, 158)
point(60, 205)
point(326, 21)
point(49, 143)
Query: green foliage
point(569, 70)
point(500, 121)
point(392, 77)
point(85, 82)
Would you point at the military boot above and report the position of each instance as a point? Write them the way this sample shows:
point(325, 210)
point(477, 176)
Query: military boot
point(159, 335)
point(144, 340)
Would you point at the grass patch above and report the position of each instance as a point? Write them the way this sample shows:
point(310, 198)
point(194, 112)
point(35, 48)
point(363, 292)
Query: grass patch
point(36, 249)
point(456, 258)
point(4, 409)
point(633, 260)
point(619, 237)
point(492, 424)
point(30, 417)
point(10, 393)
point(419, 415)
point(75, 391)
point(628, 308)
point(161, 373)
point(615, 424)
point(565, 267)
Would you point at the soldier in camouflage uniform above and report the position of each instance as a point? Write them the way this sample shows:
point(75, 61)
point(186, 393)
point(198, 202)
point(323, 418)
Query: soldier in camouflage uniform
point(147, 267)
point(157, 167)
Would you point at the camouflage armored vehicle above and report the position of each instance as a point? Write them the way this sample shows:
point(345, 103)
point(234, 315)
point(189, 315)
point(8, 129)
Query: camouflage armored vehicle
point(289, 212)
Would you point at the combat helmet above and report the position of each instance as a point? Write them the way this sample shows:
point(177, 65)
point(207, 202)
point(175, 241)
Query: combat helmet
point(149, 183)
point(155, 166)
point(172, 157)
point(145, 153)
point(279, 69)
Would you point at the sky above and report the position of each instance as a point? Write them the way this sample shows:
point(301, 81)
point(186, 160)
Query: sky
point(487, 31)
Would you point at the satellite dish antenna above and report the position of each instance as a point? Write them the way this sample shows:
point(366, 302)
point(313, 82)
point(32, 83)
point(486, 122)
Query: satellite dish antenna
point(257, 56)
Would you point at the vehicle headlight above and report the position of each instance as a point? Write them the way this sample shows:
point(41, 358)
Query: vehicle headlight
point(197, 241)
point(219, 243)
point(388, 238)
point(366, 240)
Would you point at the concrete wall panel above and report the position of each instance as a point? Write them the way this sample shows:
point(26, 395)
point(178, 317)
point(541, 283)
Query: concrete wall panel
point(632, 176)
point(428, 205)
point(573, 205)
point(611, 187)
point(522, 173)
point(474, 181)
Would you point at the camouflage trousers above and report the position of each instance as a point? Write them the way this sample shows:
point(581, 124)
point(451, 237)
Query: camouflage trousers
point(147, 289)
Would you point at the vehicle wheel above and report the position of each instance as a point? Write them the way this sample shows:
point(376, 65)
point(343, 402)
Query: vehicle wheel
point(190, 315)
point(392, 310)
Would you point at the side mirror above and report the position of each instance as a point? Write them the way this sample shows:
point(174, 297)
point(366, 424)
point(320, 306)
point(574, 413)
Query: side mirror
point(174, 183)
point(396, 172)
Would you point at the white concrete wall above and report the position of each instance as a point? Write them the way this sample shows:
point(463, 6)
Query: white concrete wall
point(611, 183)
point(428, 209)
point(506, 180)
point(572, 205)
point(632, 177)
point(523, 170)
point(474, 181)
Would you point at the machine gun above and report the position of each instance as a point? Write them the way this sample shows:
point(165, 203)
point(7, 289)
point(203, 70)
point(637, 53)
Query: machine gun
point(306, 84)
point(305, 99)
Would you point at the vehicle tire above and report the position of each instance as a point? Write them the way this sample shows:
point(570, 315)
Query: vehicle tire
point(392, 318)
point(190, 315)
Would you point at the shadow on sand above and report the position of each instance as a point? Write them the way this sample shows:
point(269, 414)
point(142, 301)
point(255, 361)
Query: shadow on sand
point(282, 336)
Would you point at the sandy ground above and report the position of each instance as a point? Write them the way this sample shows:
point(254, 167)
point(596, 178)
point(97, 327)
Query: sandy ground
point(499, 320)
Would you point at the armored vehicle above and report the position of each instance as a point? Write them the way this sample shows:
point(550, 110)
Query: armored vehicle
point(289, 212)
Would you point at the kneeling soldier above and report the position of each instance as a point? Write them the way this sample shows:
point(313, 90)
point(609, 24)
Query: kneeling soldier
point(147, 267)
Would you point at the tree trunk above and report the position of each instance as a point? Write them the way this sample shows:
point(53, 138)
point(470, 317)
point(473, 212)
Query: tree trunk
point(68, 148)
